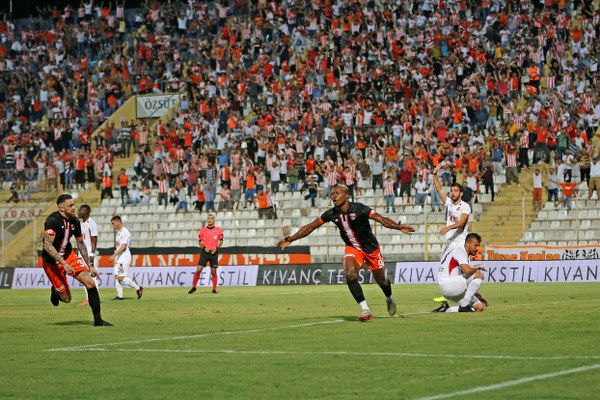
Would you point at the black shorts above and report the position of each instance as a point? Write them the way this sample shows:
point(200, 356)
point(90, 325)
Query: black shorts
point(206, 257)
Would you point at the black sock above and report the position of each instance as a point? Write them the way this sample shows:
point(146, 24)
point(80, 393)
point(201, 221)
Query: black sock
point(356, 290)
point(387, 288)
point(94, 299)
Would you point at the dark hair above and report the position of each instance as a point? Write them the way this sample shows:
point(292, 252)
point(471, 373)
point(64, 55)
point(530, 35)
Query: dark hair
point(116, 218)
point(457, 185)
point(473, 235)
point(62, 198)
point(86, 207)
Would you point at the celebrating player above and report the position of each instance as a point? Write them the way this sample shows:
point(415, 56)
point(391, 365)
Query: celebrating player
point(60, 260)
point(362, 247)
point(457, 213)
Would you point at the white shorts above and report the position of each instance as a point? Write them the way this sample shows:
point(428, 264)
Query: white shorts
point(454, 288)
point(121, 269)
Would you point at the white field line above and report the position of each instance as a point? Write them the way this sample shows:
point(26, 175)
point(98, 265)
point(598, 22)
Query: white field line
point(510, 383)
point(332, 353)
point(201, 335)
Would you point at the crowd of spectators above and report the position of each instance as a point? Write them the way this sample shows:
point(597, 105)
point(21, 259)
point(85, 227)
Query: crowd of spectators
point(290, 92)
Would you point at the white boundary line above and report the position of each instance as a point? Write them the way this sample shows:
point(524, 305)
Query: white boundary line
point(330, 353)
point(201, 335)
point(514, 382)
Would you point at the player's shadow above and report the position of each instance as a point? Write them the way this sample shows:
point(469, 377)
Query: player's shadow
point(70, 323)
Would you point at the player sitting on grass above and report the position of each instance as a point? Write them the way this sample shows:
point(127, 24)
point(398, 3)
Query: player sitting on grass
point(459, 281)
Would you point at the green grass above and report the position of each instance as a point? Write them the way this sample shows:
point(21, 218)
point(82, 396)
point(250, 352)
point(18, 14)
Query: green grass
point(296, 342)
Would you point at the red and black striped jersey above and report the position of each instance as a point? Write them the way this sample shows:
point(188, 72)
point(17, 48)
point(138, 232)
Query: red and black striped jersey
point(354, 226)
point(62, 229)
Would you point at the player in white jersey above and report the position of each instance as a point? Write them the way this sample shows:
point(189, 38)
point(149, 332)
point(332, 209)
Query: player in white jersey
point(459, 281)
point(89, 230)
point(457, 213)
point(122, 259)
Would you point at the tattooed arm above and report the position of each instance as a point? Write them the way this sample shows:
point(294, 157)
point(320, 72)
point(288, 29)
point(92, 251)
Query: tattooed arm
point(48, 240)
point(86, 257)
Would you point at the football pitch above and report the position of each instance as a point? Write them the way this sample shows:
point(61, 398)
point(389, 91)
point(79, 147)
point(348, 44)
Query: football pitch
point(536, 341)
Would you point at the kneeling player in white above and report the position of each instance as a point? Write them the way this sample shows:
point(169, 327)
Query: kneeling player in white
point(459, 281)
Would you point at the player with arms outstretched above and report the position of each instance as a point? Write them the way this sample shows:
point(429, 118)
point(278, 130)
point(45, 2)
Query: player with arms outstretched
point(59, 259)
point(352, 219)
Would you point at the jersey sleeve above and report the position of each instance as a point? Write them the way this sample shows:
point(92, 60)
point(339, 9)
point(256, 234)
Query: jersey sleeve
point(52, 226)
point(460, 255)
point(365, 211)
point(125, 237)
point(467, 208)
point(77, 231)
point(93, 228)
point(326, 216)
point(220, 234)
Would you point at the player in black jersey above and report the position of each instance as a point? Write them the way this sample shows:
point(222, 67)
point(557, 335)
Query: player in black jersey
point(59, 259)
point(352, 219)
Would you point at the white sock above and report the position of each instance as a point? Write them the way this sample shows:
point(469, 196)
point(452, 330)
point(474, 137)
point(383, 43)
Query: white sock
point(119, 287)
point(452, 309)
point(131, 283)
point(363, 305)
point(390, 298)
point(471, 290)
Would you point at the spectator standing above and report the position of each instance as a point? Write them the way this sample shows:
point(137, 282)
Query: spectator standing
point(389, 194)
point(512, 174)
point(292, 178)
point(123, 186)
point(163, 189)
point(421, 190)
point(376, 165)
point(182, 205)
point(594, 176)
point(487, 177)
point(200, 197)
point(266, 207)
point(107, 182)
point(225, 201)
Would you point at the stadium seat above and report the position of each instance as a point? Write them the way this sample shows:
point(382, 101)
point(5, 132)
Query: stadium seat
point(539, 236)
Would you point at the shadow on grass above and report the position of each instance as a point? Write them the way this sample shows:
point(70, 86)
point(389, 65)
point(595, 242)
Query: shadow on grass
point(71, 323)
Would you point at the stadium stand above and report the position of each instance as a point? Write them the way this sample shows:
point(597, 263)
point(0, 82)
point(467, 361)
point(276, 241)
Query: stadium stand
point(269, 87)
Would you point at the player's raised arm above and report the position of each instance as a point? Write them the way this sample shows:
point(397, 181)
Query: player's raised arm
point(390, 223)
point(302, 232)
point(437, 184)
